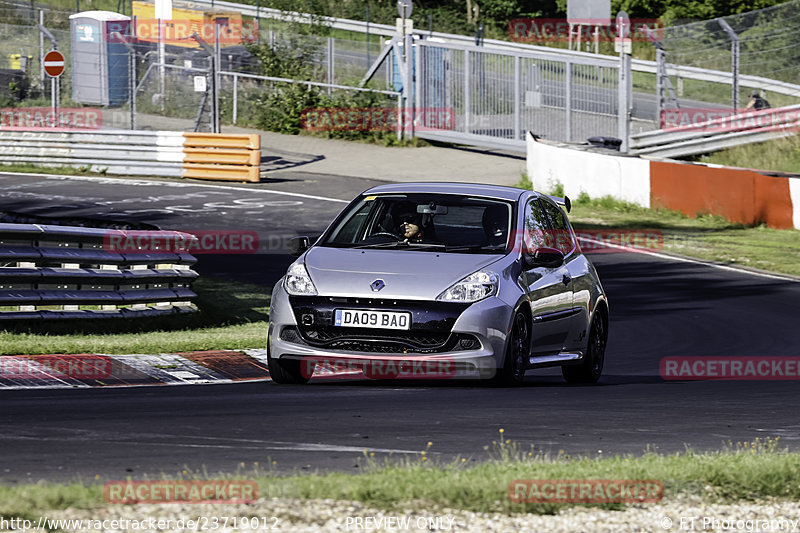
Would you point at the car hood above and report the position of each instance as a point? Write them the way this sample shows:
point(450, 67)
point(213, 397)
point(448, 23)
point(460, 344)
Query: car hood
point(406, 274)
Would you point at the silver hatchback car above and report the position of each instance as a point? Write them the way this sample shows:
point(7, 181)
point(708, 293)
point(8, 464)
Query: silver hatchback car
point(441, 280)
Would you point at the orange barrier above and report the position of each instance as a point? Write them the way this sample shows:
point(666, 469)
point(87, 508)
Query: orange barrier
point(739, 195)
point(222, 156)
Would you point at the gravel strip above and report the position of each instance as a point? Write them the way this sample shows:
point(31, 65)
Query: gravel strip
point(282, 514)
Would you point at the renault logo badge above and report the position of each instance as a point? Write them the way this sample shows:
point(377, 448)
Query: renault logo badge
point(377, 285)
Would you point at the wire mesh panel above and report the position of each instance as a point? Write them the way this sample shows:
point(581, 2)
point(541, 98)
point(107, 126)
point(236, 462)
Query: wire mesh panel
point(174, 97)
point(594, 101)
point(501, 95)
point(769, 47)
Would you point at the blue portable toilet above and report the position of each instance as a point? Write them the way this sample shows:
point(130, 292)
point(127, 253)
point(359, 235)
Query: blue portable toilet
point(99, 60)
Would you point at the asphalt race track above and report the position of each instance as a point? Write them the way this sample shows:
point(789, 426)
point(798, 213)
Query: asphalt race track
point(659, 307)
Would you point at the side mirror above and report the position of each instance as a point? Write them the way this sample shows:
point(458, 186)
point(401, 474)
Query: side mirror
point(298, 245)
point(544, 257)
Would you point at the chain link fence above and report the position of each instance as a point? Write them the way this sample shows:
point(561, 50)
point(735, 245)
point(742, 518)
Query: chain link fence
point(763, 43)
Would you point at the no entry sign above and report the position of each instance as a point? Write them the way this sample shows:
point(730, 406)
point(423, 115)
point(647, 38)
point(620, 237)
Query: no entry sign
point(54, 63)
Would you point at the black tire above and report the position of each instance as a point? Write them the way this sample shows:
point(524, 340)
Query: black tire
point(287, 371)
point(517, 354)
point(590, 370)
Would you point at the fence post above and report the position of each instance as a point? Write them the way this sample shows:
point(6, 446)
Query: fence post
point(734, 62)
point(568, 100)
point(215, 66)
point(661, 72)
point(517, 100)
point(467, 102)
point(41, 51)
point(330, 63)
point(417, 86)
point(623, 106)
point(409, 53)
point(235, 97)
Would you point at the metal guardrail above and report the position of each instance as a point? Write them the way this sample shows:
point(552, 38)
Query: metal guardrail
point(744, 128)
point(50, 271)
point(135, 153)
point(215, 156)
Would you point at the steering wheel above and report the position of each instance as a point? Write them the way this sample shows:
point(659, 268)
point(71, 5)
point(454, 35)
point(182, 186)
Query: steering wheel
point(387, 234)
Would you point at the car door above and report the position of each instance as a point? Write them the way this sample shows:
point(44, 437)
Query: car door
point(575, 274)
point(548, 289)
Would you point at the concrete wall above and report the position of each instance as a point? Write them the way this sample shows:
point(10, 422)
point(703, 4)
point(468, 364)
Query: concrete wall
point(740, 195)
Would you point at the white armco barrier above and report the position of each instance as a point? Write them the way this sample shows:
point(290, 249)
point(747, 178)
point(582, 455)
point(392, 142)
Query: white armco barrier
point(152, 153)
point(598, 175)
point(214, 156)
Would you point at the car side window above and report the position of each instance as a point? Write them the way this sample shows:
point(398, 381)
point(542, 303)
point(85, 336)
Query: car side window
point(561, 236)
point(535, 224)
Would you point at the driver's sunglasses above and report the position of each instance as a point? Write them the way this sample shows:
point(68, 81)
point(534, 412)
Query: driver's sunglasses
point(407, 220)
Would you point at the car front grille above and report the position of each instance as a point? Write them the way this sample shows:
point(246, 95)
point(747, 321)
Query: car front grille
point(379, 341)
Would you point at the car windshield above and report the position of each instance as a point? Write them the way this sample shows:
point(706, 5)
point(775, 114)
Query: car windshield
point(424, 222)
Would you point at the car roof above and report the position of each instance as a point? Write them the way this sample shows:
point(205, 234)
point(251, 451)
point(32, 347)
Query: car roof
point(471, 189)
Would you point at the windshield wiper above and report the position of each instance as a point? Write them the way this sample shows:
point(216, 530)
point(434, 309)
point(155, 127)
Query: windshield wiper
point(474, 248)
point(392, 244)
point(403, 244)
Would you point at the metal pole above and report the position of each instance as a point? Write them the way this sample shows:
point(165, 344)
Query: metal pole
point(734, 61)
point(517, 100)
point(54, 100)
point(41, 51)
point(235, 97)
point(467, 102)
point(330, 63)
point(660, 73)
point(132, 83)
point(369, 62)
point(568, 100)
point(735, 68)
point(215, 79)
point(409, 53)
point(623, 113)
point(417, 91)
point(400, 116)
point(162, 71)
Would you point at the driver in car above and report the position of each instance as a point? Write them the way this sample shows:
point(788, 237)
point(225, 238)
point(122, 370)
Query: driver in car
point(410, 227)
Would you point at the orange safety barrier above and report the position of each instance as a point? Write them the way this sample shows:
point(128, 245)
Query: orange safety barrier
point(739, 195)
point(222, 156)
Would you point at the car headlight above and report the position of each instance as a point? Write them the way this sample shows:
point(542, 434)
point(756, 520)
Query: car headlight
point(474, 287)
point(298, 282)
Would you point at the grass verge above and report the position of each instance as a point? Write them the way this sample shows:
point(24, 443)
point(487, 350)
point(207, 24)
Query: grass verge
point(707, 237)
point(780, 154)
point(38, 169)
point(741, 472)
point(231, 315)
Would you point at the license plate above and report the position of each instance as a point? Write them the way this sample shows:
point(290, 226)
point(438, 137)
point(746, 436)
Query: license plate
point(356, 318)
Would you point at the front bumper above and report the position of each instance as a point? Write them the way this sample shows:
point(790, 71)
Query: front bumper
point(469, 339)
